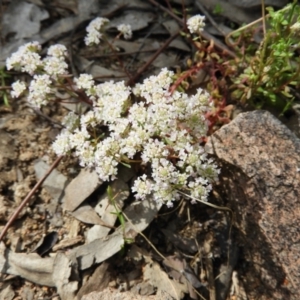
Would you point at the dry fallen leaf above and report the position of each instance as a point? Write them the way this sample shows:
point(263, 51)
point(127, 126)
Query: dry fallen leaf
point(23, 19)
point(140, 214)
point(55, 183)
point(136, 19)
point(158, 278)
point(7, 292)
point(97, 282)
point(106, 210)
point(80, 188)
point(29, 266)
point(87, 214)
point(63, 276)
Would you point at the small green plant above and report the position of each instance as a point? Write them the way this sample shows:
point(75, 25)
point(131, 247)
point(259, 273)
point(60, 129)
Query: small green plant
point(274, 71)
point(118, 213)
point(218, 9)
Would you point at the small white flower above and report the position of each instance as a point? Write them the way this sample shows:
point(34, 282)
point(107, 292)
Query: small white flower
point(137, 114)
point(97, 24)
point(94, 35)
point(78, 138)
point(26, 58)
point(88, 119)
point(164, 172)
point(196, 24)
point(125, 29)
point(32, 47)
point(70, 121)
point(61, 144)
point(165, 194)
point(86, 155)
point(129, 146)
point(54, 66)
point(107, 147)
point(39, 90)
point(18, 88)
point(112, 100)
point(107, 168)
point(59, 51)
point(142, 187)
point(154, 149)
point(199, 189)
point(84, 81)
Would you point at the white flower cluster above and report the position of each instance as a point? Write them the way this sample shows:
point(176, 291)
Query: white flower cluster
point(196, 24)
point(159, 129)
point(94, 31)
point(39, 90)
point(125, 29)
point(28, 59)
point(18, 87)
point(54, 63)
point(146, 124)
point(96, 28)
point(48, 70)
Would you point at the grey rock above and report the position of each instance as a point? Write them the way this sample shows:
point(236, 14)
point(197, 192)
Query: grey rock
point(261, 180)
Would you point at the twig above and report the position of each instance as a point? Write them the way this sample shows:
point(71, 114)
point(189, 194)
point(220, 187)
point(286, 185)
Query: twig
point(119, 53)
point(203, 33)
point(206, 203)
point(39, 112)
point(28, 197)
point(141, 46)
point(263, 17)
point(209, 17)
point(155, 55)
point(119, 60)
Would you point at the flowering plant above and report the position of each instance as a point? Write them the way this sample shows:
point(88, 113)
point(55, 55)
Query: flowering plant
point(195, 24)
point(271, 76)
point(147, 124)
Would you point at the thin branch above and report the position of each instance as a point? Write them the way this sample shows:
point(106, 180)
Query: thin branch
point(149, 62)
point(28, 197)
point(205, 35)
point(209, 17)
point(263, 16)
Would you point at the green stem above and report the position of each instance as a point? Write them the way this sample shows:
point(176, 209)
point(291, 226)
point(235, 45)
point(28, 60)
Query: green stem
point(292, 12)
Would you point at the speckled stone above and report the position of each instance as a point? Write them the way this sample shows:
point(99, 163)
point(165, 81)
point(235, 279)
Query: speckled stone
point(261, 180)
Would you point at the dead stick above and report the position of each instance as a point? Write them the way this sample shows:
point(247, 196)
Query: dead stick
point(204, 34)
point(209, 17)
point(153, 57)
point(28, 197)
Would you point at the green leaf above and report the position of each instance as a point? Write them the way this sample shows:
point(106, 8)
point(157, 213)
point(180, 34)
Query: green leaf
point(126, 165)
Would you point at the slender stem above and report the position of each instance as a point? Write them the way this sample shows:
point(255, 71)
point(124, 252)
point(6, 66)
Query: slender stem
point(155, 55)
point(292, 11)
point(203, 34)
point(28, 197)
point(118, 58)
point(263, 16)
